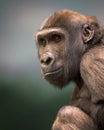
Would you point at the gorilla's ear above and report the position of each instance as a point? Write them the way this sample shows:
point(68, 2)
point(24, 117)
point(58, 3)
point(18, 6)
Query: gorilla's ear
point(87, 33)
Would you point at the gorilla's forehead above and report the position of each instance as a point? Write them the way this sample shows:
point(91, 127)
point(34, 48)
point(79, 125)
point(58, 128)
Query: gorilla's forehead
point(48, 31)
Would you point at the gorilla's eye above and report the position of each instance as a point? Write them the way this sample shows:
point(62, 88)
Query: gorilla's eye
point(42, 41)
point(56, 37)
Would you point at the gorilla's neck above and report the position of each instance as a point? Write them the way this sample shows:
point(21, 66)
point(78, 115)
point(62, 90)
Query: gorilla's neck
point(79, 81)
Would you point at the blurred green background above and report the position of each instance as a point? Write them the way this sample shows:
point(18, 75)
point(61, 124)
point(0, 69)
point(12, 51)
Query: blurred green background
point(27, 102)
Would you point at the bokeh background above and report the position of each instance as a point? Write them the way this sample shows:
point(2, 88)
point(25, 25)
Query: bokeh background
point(27, 102)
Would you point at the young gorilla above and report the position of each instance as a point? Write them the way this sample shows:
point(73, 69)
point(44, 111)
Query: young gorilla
point(71, 47)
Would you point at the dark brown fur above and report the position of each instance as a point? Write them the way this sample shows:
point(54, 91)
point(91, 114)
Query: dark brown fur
point(92, 71)
point(78, 56)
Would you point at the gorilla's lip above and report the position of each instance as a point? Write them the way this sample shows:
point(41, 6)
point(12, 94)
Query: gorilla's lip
point(53, 72)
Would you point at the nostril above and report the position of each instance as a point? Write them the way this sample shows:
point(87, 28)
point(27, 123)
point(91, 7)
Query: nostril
point(46, 61)
point(42, 61)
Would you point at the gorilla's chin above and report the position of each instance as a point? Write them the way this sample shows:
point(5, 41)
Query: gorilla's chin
point(56, 78)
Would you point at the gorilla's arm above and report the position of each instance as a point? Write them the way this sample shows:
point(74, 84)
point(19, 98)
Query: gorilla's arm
point(92, 71)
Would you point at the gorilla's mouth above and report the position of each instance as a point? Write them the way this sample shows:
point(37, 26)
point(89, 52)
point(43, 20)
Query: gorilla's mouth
point(52, 72)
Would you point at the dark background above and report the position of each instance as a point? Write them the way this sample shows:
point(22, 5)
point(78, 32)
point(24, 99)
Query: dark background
point(27, 102)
